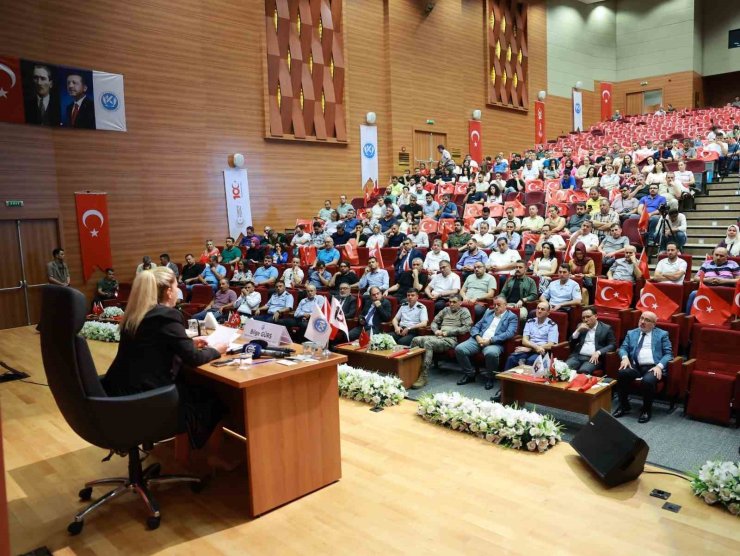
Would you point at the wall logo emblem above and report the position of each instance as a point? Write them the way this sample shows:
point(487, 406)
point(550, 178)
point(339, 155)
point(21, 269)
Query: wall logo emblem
point(368, 149)
point(320, 325)
point(109, 101)
point(577, 108)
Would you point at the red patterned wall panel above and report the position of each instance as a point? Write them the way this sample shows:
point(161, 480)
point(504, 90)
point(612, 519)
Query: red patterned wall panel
point(305, 70)
point(507, 53)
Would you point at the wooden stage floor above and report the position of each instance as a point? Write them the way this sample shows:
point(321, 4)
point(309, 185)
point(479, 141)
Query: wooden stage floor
point(408, 487)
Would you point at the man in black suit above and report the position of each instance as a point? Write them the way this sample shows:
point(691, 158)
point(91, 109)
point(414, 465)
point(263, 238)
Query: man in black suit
point(81, 113)
point(347, 301)
point(590, 342)
point(377, 311)
point(42, 106)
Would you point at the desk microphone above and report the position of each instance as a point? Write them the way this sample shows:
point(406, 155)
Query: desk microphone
point(259, 348)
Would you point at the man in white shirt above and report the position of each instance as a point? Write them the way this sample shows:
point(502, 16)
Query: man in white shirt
point(484, 238)
point(435, 257)
point(419, 239)
point(585, 235)
point(672, 268)
point(411, 317)
point(590, 343)
point(503, 260)
point(533, 222)
point(530, 171)
point(248, 301)
point(485, 217)
point(442, 285)
point(684, 177)
point(509, 217)
point(481, 185)
point(325, 213)
point(293, 276)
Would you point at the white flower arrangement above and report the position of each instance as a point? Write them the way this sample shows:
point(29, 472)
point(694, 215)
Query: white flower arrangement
point(561, 372)
point(380, 342)
point(364, 386)
point(112, 312)
point(497, 423)
point(101, 331)
point(719, 481)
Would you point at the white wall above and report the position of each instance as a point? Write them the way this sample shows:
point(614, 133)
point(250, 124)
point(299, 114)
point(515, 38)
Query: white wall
point(655, 37)
point(581, 44)
point(718, 17)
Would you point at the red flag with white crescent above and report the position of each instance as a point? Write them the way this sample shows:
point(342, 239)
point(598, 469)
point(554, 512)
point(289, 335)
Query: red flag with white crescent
point(11, 91)
point(616, 294)
point(654, 300)
point(606, 101)
point(94, 230)
point(475, 142)
point(539, 122)
point(736, 300)
point(709, 307)
point(643, 265)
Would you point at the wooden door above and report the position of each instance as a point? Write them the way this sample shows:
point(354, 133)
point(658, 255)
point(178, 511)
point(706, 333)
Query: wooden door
point(23, 272)
point(39, 238)
point(425, 146)
point(12, 297)
point(634, 103)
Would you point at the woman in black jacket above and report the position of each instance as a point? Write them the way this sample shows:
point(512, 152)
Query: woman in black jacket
point(154, 347)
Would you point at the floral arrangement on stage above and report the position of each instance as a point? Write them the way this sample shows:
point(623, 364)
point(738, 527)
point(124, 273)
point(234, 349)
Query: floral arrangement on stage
point(497, 423)
point(364, 386)
point(101, 331)
point(719, 481)
point(112, 313)
point(381, 342)
point(561, 372)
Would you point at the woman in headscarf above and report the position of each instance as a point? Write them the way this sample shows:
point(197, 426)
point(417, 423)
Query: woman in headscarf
point(731, 241)
point(582, 266)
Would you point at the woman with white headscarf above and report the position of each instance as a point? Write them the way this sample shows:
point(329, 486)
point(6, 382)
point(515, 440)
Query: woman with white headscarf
point(731, 241)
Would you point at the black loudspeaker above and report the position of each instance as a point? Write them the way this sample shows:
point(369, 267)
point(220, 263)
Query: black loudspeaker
point(614, 452)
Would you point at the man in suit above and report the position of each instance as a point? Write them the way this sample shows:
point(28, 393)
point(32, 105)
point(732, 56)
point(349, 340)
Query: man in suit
point(406, 254)
point(347, 301)
point(590, 343)
point(81, 112)
point(488, 336)
point(42, 107)
point(645, 354)
point(377, 311)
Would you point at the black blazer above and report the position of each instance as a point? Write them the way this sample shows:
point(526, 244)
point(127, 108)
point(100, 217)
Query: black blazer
point(85, 117)
point(33, 116)
point(349, 306)
point(604, 340)
point(153, 356)
point(382, 314)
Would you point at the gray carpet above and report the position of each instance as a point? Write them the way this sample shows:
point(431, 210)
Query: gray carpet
point(675, 441)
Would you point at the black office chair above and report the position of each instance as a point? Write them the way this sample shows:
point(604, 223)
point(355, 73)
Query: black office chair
point(119, 424)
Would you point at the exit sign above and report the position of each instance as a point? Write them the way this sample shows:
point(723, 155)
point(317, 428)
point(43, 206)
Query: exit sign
point(13, 203)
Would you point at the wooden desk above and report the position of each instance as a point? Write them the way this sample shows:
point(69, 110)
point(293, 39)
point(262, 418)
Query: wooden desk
point(291, 424)
point(515, 388)
point(407, 366)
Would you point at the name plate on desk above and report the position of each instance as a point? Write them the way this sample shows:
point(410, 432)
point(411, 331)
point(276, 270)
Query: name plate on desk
point(273, 334)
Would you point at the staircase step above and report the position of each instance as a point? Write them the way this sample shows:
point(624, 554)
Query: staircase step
point(719, 203)
point(718, 220)
point(723, 186)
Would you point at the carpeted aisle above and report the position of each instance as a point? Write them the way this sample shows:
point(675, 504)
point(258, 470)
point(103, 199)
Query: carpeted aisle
point(675, 441)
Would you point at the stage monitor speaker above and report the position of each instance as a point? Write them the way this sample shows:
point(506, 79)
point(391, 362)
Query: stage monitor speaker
point(614, 452)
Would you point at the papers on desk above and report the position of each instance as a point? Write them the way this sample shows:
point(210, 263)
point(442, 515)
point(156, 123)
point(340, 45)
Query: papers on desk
point(222, 335)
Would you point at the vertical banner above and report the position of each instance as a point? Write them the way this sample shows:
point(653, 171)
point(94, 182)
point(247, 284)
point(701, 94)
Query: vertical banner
point(11, 91)
point(475, 143)
point(577, 111)
point(606, 101)
point(539, 122)
point(369, 156)
point(238, 207)
point(94, 230)
point(110, 109)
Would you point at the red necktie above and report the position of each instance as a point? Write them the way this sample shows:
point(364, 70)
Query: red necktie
point(75, 110)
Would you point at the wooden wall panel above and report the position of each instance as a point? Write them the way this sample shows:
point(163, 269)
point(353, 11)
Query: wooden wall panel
point(720, 89)
point(678, 89)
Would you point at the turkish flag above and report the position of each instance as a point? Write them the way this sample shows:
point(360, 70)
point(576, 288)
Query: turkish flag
point(475, 143)
point(428, 225)
point(94, 230)
point(375, 252)
point(606, 101)
point(654, 300)
point(616, 294)
point(539, 122)
point(710, 308)
point(364, 338)
point(350, 252)
point(445, 227)
point(642, 224)
point(736, 300)
point(643, 265)
point(307, 254)
point(11, 91)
